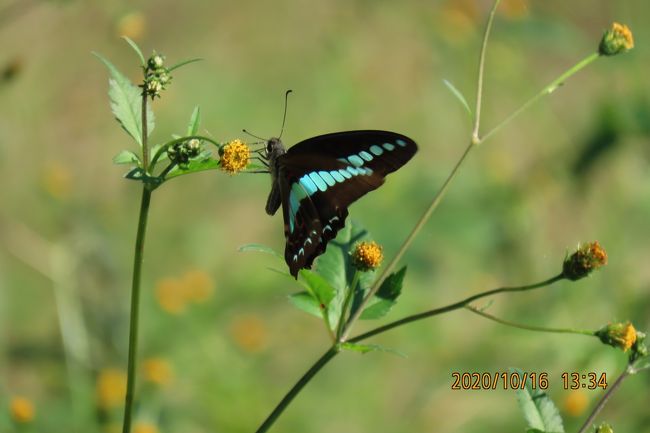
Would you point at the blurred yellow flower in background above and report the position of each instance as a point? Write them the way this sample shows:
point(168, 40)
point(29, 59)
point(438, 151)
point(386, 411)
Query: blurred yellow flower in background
point(145, 427)
point(132, 25)
point(514, 9)
point(110, 388)
point(249, 333)
point(22, 410)
point(575, 402)
point(173, 294)
point(56, 180)
point(158, 371)
point(458, 20)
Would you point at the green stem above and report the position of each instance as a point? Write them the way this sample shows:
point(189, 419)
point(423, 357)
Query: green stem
point(135, 303)
point(530, 327)
point(293, 392)
point(550, 88)
point(601, 403)
point(441, 192)
point(145, 146)
point(454, 306)
point(346, 305)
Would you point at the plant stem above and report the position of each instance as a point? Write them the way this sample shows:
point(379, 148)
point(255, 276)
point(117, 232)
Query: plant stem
point(530, 327)
point(304, 380)
point(550, 88)
point(439, 195)
point(346, 305)
point(628, 370)
point(454, 306)
point(135, 303)
point(137, 273)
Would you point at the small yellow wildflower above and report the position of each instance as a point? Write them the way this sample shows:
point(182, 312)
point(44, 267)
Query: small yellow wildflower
point(619, 335)
point(22, 410)
point(110, 388)
point(249, 333)
point(367, 256)
point(57, 180)
point(514, 9)
point(586, 259)
point(132, 25)
point(234, 156)
point(576, 402)
point(198, 285)
point(171, 295)
point(145, 427)
point(158, 371)
point(618, 39)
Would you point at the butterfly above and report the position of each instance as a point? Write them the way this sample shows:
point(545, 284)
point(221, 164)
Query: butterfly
point(317, 179)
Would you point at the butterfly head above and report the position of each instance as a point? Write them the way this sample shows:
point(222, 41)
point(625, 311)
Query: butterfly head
point(274, 148)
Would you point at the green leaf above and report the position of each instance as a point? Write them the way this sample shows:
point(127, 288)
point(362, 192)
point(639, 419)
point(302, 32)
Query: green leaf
point(322, 291)
point(307, 303)
point(136, 49)
point(195, 121)
point(193, 167)
point(183, 63)
point(126, 103)
point(365, 348)
point(459, 96)
point(126, 157)
point(538, 409)
point(260, 249)
point(386, 296)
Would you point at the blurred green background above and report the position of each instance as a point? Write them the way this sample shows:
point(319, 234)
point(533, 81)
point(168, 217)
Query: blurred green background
point(219, 344)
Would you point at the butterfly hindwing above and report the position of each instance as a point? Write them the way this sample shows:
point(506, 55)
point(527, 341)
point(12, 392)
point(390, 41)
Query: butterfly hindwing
point(320, 177)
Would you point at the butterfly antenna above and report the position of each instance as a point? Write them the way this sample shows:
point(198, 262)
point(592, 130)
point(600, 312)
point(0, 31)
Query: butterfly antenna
point(284, 116)
point(253, 135)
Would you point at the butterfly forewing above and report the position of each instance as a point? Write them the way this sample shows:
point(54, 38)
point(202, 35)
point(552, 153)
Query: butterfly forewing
point(320, 177)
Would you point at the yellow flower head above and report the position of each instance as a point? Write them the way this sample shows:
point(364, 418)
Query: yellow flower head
point(234, 156)
point(576, 402)
point(132, 25)
point(367, 256)
point(586, 259)
point(619, 335)
point(158, 371)
point(249, 333)
point(618, 39)
point(198, 285)
point(145, 427)
point(22, 410)
point(171, 295)
point(110, 388)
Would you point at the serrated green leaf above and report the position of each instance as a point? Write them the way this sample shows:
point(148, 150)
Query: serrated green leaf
point(260, 249)
point(307, 303)
point(458, 96)
point(539, 410)
point(365, 348)
point(137, 50)
point(126, 157)
point(318, 286)
point(386, 296)
point(126, 102)
point(193, 166)
point(195, 120)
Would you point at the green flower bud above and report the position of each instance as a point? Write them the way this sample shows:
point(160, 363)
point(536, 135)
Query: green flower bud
point(618, 39)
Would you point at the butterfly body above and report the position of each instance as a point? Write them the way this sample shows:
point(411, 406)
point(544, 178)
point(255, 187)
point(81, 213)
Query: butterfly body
point(317, 179)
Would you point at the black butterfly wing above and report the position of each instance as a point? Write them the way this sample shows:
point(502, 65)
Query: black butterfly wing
point(320, 177)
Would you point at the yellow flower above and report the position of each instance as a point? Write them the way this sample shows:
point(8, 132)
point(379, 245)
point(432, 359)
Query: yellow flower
point(171, 295)
point(132, 25)
point(110, 388)
point(158, 371)
point(586, 259)
point(234, 156)
point(576, 402)
point(197, 285)
point(22, 410)
point(514, 9)
point(57, 180)
point(249, 333)
point(367, 256)
point(619, 335)
point(145, 427)
point(618, 39)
